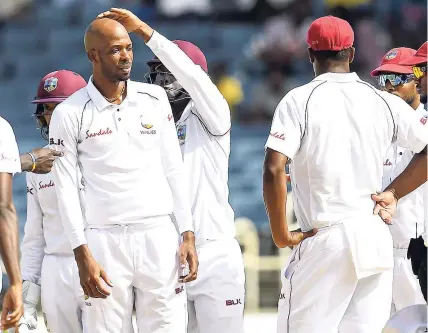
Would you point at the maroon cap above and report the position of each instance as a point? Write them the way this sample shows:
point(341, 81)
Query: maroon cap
point(391, 62)
point(58, 86)
point(330, 33)
point(420, 57)
point(192, 51)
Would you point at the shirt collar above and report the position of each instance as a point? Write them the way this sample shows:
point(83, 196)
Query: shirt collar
point(101, 103)
point(337, 77)
point(421, 109)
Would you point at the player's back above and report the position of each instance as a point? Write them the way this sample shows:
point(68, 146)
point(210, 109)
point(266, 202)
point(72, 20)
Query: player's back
point(347, 127)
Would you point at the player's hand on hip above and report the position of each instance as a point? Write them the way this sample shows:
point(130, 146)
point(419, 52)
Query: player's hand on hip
point(45, 157)
point(188, 256)
point(386, 205)
point(125, 17)
point(92, 277)
point(297, 236)
point(13, 308)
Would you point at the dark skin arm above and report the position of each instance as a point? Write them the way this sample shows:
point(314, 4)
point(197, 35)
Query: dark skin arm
point(409, 180)
point(45, 158)
point(275, 198)
point(9, 250)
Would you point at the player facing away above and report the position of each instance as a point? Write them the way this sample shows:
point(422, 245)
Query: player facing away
point(47, 262)
point(336, 131)
point(408, 220)
point(12, 309)
point(121, 135)
point(203, 121)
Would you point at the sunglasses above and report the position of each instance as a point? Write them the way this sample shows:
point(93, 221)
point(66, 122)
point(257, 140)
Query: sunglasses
point(394, 79)
point(419, 71)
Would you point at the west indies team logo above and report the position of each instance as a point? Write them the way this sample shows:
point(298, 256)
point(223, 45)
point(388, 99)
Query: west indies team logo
point(50, 84)
point(391, 54)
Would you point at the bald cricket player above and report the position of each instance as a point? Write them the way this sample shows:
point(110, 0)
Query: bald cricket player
point(335, 131)
point(202, 117)
point(121, 135)
point(408, 222)
point(12, 309)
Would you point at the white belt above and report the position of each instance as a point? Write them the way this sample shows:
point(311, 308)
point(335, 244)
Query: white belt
point(400, 253)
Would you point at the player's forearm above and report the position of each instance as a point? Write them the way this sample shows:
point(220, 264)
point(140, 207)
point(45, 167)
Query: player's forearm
point(144, 31)
point(412, 177)
point(275, 198)
point(26, 162)
point(9, 247)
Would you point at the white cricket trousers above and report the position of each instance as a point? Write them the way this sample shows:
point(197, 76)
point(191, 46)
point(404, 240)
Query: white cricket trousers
point(406, 290)
point(142, 262)
point(321, 293)
point(61, 293)
point(216, 298)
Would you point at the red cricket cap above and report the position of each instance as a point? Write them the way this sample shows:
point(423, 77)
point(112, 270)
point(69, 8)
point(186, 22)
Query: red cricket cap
point(391, 62)
point(192, 51)
point(420, 57)
point(330, 33)
point(57, 86)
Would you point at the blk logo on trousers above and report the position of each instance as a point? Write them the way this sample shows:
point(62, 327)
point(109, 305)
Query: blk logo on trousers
point(230, 302)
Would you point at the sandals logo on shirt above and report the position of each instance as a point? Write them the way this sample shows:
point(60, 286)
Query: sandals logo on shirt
point(277, 135)
point(101, 132)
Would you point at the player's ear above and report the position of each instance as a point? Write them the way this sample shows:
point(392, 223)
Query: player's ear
point(92, 56)
point(351, 55)
point(311, 55)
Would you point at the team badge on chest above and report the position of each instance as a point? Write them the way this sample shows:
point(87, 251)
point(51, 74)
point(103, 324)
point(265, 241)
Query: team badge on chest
point(181, 133)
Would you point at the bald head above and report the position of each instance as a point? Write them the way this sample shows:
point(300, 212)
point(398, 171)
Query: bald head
point(102, 31)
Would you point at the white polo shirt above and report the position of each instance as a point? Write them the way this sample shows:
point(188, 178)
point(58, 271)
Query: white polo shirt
point(408, 222)
point(9, 154)
point(129, 157)
point(337, 130)
point(44, 232)
point(204, 134)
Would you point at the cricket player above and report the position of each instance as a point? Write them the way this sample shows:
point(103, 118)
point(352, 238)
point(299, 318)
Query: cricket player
point(336, 131)
point(203, 121)
point(408, 222)
point(121, 135)
point(47, 262)
point(418, 246)
point(9, 165)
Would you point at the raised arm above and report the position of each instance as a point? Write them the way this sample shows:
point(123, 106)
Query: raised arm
point(211, 106)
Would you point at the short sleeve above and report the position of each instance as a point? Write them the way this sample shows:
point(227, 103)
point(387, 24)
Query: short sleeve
point(411, 131)
point(285, 134)
point(9, 153)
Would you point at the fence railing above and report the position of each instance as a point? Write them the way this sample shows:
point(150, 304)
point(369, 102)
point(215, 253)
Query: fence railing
point(247, 236)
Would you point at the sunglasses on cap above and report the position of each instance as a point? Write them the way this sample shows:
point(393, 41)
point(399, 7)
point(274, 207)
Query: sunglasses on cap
point(419, 71)
point(394, 79)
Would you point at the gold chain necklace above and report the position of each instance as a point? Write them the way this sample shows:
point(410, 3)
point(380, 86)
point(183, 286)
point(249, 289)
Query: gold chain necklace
point(113, 99)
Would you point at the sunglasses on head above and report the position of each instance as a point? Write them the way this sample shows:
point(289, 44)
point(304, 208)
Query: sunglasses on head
point(419, 71)
point(394, 79)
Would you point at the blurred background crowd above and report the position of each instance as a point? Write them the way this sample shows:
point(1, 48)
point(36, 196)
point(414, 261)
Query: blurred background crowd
point(256, 51)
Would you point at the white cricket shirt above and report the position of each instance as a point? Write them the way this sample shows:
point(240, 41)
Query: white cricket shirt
point(44, 232)
point(204, 135)
point(129, 157)
point(408, 222)
point(9, 154)
point(337, 130)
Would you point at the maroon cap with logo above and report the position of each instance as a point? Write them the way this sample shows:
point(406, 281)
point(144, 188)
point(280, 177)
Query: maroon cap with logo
point(330, 33)
point(420, 57)
point(391, 62)
point(191, 50)
point(57, 86)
